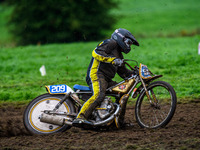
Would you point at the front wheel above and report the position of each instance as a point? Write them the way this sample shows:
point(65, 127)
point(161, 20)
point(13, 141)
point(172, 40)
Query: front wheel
point(159, 111)
point(36, 107)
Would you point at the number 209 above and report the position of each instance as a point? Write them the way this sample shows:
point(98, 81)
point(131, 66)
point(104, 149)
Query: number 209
point(58, 89)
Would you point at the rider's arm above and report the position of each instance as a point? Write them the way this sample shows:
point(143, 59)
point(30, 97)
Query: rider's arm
point(102, 51)
point(123, 72)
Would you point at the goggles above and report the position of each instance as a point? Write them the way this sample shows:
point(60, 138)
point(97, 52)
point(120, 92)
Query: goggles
point(128, 42)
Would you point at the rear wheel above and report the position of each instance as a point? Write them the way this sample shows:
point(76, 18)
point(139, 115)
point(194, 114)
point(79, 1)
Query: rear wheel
point(160, 111)
point(35, 109)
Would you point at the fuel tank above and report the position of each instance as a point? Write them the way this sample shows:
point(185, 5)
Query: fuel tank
point(124, 87)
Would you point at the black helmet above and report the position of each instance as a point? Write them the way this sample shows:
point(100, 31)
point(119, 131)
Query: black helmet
point(124, 38)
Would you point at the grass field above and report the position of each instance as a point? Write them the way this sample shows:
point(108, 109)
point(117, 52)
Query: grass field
point(176, 59)
point(162, 30)
point(155, 18)
point(159, 18)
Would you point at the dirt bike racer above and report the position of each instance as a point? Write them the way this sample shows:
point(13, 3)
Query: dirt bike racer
point(107, 60)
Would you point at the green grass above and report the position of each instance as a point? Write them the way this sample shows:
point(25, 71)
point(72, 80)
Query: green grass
point(158, 17)
point(155, 18)
point(20, 76)
point(154, 23)
point(176, 59)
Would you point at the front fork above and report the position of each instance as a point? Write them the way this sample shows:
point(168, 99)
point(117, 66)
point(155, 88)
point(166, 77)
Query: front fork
point(73, 96)
point(60, 102)
point(148, 95)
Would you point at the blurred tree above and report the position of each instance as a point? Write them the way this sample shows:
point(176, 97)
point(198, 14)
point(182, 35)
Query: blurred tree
point(49, 21)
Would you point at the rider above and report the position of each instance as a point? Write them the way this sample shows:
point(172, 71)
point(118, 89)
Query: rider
point(107, 60)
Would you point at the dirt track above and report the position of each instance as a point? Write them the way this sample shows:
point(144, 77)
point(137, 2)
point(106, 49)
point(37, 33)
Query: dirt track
point(183, 132)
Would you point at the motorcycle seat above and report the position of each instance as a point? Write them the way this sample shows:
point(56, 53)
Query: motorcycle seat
point(81, 88)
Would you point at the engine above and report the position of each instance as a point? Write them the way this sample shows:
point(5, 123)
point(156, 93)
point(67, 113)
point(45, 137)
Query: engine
point(106, 108)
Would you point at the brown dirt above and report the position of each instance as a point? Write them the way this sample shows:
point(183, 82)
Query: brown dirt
point(183, 132)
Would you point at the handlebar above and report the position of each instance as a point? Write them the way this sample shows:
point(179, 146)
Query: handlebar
point(125, 62)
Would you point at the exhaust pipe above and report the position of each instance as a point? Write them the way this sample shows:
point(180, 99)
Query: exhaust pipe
point(60, 121)
point(55, 120)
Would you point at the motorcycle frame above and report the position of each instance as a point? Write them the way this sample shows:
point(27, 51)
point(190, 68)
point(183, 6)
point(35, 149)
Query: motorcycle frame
point(137, 79)
point(110, 88)
point(117, 95)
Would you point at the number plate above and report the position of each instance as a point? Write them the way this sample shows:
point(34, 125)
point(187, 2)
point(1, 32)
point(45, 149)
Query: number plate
point(144, 72)
point(57, 89)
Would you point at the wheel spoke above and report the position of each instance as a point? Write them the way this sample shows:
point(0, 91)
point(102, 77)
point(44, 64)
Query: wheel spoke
point(160, 111)
point(155, 116)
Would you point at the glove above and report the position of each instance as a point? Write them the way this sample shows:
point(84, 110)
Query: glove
point(118, 62)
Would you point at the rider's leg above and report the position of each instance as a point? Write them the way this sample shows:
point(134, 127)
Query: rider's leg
point(99, 89)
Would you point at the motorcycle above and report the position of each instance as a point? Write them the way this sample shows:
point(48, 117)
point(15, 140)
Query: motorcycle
point(55, 111)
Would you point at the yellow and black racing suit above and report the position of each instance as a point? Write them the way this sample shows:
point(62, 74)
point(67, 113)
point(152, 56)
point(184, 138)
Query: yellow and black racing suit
point(100, 73)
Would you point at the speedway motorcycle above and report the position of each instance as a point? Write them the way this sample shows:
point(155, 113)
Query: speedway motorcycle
point(55, 111)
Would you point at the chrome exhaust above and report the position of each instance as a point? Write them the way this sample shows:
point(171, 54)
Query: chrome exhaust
point(60, 121)
point(55, 120)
